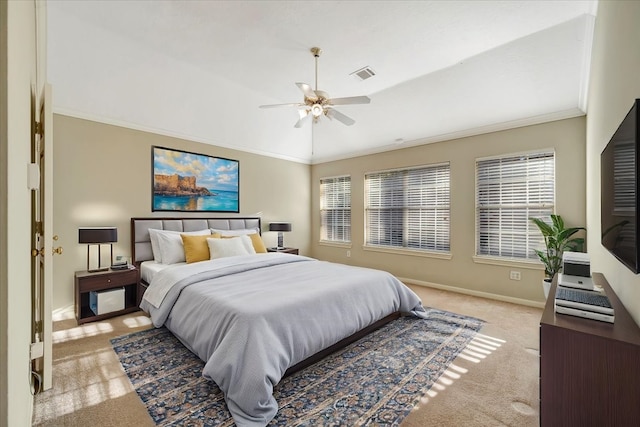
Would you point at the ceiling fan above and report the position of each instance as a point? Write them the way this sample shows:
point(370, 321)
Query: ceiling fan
point(317, 103)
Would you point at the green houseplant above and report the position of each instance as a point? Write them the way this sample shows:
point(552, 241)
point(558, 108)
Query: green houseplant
point(557, 239)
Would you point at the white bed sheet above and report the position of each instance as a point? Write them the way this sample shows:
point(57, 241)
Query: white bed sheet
point(148, 269)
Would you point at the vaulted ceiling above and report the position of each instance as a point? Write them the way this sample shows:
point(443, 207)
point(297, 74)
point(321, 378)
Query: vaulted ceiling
point(200, 69)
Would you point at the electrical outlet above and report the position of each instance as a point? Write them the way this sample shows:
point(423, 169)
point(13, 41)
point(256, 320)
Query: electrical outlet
point(348, 254)
point(514, 275)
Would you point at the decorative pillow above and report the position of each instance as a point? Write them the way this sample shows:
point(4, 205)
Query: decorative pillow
point(195, 247)
point(255, 245)
point(220, 248)
point(258, 244)
point(170, 244)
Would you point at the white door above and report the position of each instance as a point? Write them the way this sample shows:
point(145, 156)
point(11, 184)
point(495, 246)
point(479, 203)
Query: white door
point(44, 241)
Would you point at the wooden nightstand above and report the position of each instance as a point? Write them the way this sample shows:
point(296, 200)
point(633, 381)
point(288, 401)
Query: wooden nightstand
point(86, 282)
point(284, 250)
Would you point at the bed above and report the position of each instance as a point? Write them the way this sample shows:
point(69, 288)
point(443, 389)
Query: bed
point(255, 317)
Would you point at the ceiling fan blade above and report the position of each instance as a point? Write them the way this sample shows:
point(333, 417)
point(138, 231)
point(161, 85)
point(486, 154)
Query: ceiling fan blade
point(308, 92)
point(350, 100)
point(292, 104)
point(335, 114)
point(304, 118)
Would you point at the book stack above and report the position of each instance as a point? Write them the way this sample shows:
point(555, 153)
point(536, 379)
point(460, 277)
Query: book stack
point(582, 303)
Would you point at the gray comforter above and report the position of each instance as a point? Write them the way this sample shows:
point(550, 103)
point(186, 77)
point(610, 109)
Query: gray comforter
point(252, 317)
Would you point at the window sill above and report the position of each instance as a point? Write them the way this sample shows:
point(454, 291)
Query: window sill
point(508, 262)
point(412, 252)
point(344, 245)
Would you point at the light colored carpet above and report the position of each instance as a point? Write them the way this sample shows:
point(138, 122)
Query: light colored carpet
point(494, 382)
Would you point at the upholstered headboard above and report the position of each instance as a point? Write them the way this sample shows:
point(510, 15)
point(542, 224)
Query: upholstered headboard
point(141, 243)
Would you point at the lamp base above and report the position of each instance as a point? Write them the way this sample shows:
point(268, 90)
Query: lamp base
point(100, 267)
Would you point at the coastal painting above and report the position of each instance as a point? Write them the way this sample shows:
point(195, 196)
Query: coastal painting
point(190, 182)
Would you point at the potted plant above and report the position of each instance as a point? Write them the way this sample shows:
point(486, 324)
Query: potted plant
point(557, 239)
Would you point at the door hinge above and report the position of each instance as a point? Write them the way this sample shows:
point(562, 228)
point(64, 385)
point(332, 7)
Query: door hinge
point(38, 327)
point(37, 350)
point(39, 228)
point(39, 129)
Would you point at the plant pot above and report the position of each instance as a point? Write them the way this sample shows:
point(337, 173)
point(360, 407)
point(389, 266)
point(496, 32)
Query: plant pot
point(546, 286)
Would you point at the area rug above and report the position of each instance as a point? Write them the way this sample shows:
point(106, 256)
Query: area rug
point(374, 381)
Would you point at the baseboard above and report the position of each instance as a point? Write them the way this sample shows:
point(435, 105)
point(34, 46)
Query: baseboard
point(488, 295)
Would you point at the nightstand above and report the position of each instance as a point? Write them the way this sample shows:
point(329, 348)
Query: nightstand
point(284, 250)
point(104, 281)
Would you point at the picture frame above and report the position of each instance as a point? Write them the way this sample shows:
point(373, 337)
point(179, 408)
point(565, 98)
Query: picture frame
point(183, 181)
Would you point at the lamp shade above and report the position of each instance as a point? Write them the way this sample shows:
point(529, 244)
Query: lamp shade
point(280, 226)
point(97, 235)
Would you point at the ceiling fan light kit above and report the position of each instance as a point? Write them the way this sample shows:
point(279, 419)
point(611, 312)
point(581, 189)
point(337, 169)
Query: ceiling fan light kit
point(318, 103)
point(317, 110)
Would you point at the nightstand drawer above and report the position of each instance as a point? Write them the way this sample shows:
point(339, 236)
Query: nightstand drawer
point(108, 281)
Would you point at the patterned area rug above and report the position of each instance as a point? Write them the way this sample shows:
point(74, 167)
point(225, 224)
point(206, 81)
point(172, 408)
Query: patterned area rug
point(374, 381)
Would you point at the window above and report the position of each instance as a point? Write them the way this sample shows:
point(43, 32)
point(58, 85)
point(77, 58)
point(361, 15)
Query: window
point(409, 208)
point(510, 190)
point(335, 209)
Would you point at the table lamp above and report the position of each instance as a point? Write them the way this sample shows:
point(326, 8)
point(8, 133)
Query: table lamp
point(280, 227)
point(98, 236)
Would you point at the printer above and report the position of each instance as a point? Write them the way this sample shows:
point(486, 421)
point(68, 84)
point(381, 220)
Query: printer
point(576, 271)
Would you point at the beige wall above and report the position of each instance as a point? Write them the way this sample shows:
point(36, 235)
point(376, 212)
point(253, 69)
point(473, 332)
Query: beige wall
point(567, 137)
point(103, 177)
point(18, 79)
point(613, 87)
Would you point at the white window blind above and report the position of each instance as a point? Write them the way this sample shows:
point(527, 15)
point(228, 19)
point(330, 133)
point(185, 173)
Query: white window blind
point(335, 209)
point(510, 190)
point(409, 208)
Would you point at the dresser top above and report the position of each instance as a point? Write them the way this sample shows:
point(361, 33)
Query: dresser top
point(623, 329)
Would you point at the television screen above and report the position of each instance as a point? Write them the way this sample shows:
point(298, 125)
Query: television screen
point(619, 191)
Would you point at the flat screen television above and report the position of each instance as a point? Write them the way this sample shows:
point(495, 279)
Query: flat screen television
point(619, 191)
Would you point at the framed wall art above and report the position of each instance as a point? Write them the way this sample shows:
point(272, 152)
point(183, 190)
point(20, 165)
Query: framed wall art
point(190, 182)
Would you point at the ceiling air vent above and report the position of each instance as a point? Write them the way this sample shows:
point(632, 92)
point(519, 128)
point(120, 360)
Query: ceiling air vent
point(363, 73)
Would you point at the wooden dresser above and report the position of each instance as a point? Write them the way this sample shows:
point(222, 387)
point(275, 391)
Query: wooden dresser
point(589, 370)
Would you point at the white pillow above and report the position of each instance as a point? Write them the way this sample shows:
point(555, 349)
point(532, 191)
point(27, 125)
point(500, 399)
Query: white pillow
point(170, 249)
point(236, 232)
point(246, 241)
point(220, 248)
point(155, 246)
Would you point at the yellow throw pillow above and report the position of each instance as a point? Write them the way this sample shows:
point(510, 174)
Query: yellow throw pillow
point(195, 248)
point(258, 244)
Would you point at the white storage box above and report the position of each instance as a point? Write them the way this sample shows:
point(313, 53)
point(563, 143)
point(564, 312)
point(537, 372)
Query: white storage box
point(102, 302)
